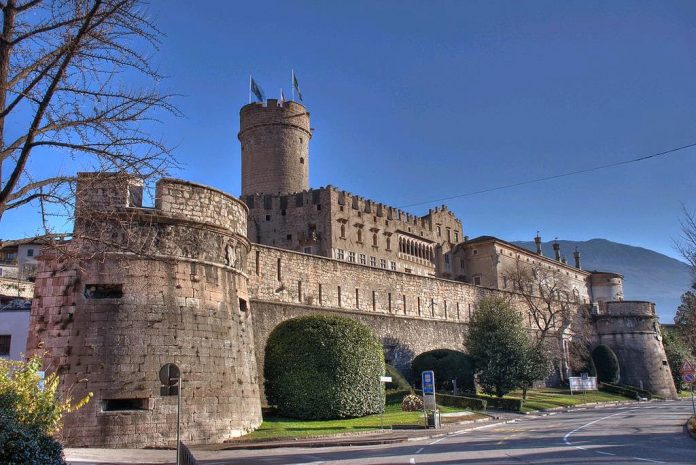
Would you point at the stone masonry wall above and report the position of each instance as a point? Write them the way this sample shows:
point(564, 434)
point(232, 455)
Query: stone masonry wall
point(631, 330)
point(275, 147)
point(110, 320)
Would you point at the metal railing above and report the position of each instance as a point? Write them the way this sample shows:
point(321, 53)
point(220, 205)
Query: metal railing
point(185, 455)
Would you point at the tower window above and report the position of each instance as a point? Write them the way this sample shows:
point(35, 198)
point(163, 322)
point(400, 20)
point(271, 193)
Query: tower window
point(289, 237)
point(301, 160)
point(268, 217)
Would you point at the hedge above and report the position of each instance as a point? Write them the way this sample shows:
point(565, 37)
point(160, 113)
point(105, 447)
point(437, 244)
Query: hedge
point(470, 403)
point(447, 365)
point(503, 403)
point(627, 391)
point(324, 367)
point(607, 364)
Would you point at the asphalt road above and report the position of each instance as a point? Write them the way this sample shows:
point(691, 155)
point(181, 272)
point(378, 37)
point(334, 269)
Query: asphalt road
point(650, 433)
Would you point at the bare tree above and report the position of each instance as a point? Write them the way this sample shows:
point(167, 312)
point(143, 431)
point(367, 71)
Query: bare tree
point(687, 244)
point(552, 307)
point(76, 81)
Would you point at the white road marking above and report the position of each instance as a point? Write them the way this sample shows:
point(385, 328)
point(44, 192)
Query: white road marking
point(438, 440)
point(419, 450)
point(569, 443)
point(412, 461)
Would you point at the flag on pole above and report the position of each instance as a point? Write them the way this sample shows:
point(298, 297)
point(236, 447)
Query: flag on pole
point(296, 85)
point(281, 100)
point(255, 89)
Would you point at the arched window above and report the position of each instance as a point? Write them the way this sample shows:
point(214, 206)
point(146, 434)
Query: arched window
point(374, 239)
point(343, 231)
point(359, 235)
point(388, 243)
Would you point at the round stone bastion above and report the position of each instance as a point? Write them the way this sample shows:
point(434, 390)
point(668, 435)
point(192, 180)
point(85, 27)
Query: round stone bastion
point(142, 287)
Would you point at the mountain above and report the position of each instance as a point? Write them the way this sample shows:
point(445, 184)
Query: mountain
point(648, 275)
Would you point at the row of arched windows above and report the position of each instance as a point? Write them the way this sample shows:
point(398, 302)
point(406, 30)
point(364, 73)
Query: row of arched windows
point(416, 248)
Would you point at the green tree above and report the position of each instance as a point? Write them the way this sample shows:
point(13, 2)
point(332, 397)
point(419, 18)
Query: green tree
point(504, 356)
point(676, 352)
point(685, 320)
point(536, 365)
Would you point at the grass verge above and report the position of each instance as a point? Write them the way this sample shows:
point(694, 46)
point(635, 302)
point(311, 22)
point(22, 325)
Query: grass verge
point(544, 398)
point(288, 428)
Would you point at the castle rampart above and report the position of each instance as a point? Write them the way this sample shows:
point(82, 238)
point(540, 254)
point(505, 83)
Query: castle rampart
point(110, 321)
point(631, 329)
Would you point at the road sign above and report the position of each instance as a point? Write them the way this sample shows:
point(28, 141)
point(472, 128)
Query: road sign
point(688, 377)
point(385, 379)
point(169, 374)
point(687, 368)
point(428, 382)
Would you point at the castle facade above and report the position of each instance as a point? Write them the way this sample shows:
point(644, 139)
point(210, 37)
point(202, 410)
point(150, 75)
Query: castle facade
point(201, 278)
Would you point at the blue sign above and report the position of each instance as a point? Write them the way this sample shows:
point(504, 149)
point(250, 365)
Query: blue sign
point(428, 379)
point(42, 380)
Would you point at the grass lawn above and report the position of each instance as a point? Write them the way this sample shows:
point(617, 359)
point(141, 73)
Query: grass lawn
point(279, 427)
point(551, 397)
point(685, 394)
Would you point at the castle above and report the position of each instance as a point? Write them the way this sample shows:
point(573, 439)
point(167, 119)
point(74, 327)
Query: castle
point(201, 278)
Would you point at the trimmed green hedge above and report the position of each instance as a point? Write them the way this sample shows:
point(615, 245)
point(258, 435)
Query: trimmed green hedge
point(503, 403)
point(447, 365)
point(607, 364)
point(627, 391)
point(471, 403)
point(324, 367)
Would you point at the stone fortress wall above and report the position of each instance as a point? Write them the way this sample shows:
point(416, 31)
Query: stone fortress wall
point(184, 282)
point(110, 322)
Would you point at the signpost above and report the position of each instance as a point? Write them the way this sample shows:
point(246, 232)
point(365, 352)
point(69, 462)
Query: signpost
point(429, 403)
point(384, 380)
point(688, 374)
point(583, 383)
point(170, 377)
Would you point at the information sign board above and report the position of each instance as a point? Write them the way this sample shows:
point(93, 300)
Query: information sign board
point(579, 383)
point(385, 379)
point(688, 377)
point(428, 383)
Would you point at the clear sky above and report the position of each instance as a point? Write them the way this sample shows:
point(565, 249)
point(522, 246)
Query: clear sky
point(413, 101)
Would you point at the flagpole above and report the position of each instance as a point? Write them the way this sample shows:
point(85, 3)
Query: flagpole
point(292, 84)
point(250, 88)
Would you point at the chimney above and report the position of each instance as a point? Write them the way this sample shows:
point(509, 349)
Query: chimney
point(557, 250)
point(576, 254)
point(537, 241)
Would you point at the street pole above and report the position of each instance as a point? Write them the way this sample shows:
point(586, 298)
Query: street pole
point(693, 406)
point(178, 417)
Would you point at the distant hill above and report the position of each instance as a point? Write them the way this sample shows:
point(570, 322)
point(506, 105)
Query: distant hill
point(648, 275)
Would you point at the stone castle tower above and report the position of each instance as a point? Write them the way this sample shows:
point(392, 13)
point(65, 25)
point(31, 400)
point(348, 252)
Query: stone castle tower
point(275, 148)
point(150, 286)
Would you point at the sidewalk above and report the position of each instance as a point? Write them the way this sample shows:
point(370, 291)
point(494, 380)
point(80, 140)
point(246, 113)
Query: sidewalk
point(214, 451)
point(217, 451)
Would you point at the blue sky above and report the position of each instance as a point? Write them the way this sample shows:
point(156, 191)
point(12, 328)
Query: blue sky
point(413, 101)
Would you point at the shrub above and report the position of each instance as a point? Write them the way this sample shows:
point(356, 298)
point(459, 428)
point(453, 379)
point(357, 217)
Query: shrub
point(34, 407)
point(27, 445)
point(411, 403)
point(398, 383)
point(324, 367)
point(447, 365)
point(607, 364)
point(504, 403)
point(471, 403)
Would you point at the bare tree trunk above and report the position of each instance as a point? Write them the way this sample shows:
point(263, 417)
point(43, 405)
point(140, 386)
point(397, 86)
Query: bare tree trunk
point(8, 21)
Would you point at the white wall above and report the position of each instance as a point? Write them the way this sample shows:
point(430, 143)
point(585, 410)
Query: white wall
point(16, 324)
